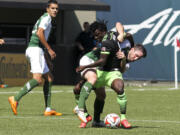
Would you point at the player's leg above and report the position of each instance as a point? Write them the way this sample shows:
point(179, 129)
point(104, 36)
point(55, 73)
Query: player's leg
point(118, 87)
point(37, 71)
point(13, 100)
point(48, 77)
point(98, 107)
point(91, 78)
point(76, 91)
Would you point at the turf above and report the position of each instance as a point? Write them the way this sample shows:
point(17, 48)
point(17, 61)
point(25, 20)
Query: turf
point(151, 110)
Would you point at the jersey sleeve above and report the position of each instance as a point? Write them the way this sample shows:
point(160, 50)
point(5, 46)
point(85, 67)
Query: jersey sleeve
point(45, 22)
point(106, 47)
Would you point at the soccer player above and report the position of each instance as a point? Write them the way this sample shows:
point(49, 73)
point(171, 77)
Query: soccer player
point(111, 65)
point(99, 30)
point(35, 54)
point(2, 41)
point(98, 27)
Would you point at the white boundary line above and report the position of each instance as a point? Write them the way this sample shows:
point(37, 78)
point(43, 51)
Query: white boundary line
point(68, 118)
point(71, 91)
point(32, 92)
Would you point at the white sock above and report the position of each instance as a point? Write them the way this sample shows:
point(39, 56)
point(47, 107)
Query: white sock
point(48, 109)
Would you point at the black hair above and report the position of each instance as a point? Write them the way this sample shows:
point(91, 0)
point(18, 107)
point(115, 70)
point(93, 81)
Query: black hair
point(51, 2)
point(141, 48)
point(100, 25)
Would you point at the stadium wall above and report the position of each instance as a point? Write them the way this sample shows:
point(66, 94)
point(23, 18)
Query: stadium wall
point(69, 24)
point(155, 24)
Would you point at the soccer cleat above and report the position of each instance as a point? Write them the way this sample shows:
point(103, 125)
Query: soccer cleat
point(83, 124)
point(52, 113)
point(98, 124)
point(88, 118)
point(13, 104)
point(81, 116)
point(75, 110)
point(125, 124)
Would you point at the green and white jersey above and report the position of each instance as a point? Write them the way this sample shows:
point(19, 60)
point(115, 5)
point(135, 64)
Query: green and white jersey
point(94, 54)
point(43, 22)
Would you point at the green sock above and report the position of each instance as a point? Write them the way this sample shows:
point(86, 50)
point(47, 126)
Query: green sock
point(47, 93)
point(86, 114)
point(77, 101)
point(77, 98)
point(27, 88)
point(85, 91)
point(122, 101)
point(123, 116)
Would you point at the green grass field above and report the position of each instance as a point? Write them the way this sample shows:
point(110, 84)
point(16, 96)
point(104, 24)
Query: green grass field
point(151, 111)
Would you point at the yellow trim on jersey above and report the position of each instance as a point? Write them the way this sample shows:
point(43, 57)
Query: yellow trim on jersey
point(105, 52)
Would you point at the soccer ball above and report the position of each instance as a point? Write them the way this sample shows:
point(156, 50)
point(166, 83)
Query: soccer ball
point(112, 120)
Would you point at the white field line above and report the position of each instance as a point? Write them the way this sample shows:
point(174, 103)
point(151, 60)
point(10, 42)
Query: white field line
point(70, 91)
point(70, 118)
point(32, 92)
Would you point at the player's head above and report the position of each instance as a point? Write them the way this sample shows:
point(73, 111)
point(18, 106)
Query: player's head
point(86, 26)
point(99, 29)
point(137, 52)
point(52, 8)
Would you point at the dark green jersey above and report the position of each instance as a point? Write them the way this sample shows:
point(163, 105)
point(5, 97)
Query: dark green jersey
point(111, 36)
point(110, 47)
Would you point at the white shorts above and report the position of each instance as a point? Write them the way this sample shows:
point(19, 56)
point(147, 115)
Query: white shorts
point(86, 61)
point(37, 60)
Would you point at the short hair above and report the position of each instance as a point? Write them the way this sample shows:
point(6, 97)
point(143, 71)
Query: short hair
point(85, 23)
point(141, 48)
point(100, 25)
point(51, 2)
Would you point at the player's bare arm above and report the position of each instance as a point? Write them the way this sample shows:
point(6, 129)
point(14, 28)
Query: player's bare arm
point(80, 47)
point(120, 30)
point(40, 34)
point(100, 62)
point(121, 55)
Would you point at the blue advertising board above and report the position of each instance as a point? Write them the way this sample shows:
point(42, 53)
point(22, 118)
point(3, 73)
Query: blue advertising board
point(155, 24)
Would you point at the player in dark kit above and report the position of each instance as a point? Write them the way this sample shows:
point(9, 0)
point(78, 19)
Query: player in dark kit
point(99, 30)
point(113, 58)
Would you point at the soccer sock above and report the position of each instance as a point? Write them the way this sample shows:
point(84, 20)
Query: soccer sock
point(85, 91)
point(47, 93)
point(122, 101)
point(77, 101)
point(77, 98)
point(27, 88)
point(86, 114)
point(98, 109)
point(48, 109)
point(123, 116)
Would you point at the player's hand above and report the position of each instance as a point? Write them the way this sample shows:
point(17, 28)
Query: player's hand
point(80, 68)
point(48, 60)
point(52, 53)
point(120, 38)
point(120, 54)
point(2, 41)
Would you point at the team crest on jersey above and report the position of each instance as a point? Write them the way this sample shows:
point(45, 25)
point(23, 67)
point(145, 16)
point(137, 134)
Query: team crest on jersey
point(103, 49)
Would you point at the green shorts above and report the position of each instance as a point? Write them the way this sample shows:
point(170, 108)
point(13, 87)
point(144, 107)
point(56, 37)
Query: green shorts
point(105, 78)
